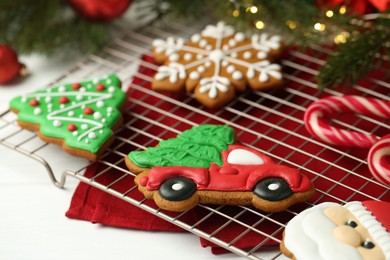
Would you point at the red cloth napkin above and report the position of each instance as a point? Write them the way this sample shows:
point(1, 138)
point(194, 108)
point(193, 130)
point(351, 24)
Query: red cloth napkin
point(94, 205)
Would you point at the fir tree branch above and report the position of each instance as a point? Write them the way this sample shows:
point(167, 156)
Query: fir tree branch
point(356, 58)
point(46, 27)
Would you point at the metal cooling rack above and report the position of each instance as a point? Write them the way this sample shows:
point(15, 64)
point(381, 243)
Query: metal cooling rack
point(268, 121)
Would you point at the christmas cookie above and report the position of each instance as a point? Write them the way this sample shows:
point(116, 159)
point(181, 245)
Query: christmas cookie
point(204, 165)
point(80, 116)
point(217, 63)
point(357, 230)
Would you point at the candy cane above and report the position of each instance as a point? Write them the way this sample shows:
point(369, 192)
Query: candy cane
point(378, 160)
point(380, 147)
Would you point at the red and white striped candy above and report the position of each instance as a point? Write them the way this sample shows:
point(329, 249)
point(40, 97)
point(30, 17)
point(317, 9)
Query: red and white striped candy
point(378, 158)
point(319, 128)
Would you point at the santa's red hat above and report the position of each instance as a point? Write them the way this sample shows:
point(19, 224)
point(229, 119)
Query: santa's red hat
point(375, 217)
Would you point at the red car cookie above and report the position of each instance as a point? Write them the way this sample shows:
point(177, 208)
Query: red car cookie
point(235, 175)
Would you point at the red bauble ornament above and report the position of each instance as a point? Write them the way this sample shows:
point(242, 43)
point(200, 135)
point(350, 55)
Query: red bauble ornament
point(100, 87)
point(10, 67)
point(76, 86)
point(72, 127)
point(99, 10)
point(63, 100)
point(88, 111)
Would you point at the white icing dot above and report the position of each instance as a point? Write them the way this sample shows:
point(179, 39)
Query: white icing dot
point(261, 55)
point(207, 64)
point(79, 97)
point(174, 57)
point(237, 75)
point(250, 73)
point(202, 43)
point(216, 55)
point(195, 38)
point(95, 81)
point(108, 114)
point(24, 99)
point(234, 54)
point(82, 89)
point(97, 115)
point(247, 55)
point(239, 36)
point(111, 89)
point(89, 86)
point(90, 97)
point(177, 186)
point(83, 106)
point(87, 141)
point(199, 56)
point(57, 123)
point(48, 99)
point(84, 126)
point(230, 69)
point(61, 89)
point(209, 47)
point(225, 47)
point(71, 113)
point(101, 131)
point(37, 111)
point(225, 63)
point(109, 109)
point(73, 102)
point(201, 69)
point(81, 116)
point(75, 133)
point(273, 186)
point(187, 56)
point(100, 103)
point(232, 42)
point(103, 120)
point(48, 90)
point(62, 105)
point(194, 75)
point(108, 81)
point(92, 135)
point(50, 105)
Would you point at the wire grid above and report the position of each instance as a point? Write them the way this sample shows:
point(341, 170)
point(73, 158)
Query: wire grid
point(271, 122)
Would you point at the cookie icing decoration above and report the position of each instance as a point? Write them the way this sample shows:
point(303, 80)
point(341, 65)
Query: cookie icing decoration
point(356, 230)
point(74, 113)
point(217, 63)
point(204, 165)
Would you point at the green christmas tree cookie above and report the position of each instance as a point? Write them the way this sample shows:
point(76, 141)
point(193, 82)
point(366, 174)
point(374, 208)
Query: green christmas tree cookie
point(80, 116)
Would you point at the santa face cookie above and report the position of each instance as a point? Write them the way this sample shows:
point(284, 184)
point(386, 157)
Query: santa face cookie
point(80, 116)
point(217, 63)
point(203, 165)
point(357, 230)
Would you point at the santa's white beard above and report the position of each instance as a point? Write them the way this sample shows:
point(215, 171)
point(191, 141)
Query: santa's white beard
point(310, 236)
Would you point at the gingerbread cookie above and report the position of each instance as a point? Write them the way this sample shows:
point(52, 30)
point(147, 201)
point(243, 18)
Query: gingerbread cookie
point(204, 165)
point(217, 63)
point(357, 230)
point(80, 116)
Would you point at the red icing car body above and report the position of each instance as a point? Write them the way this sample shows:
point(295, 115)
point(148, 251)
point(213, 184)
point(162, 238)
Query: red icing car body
point(243, 169)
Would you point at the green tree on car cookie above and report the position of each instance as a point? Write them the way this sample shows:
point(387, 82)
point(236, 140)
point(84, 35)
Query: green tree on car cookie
point(81, 116)
point(197, 147)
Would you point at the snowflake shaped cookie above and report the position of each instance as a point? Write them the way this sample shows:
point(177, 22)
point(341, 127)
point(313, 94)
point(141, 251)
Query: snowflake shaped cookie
point(217, 63)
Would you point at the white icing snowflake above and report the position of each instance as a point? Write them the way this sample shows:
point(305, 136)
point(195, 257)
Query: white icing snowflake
point(218, 59)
